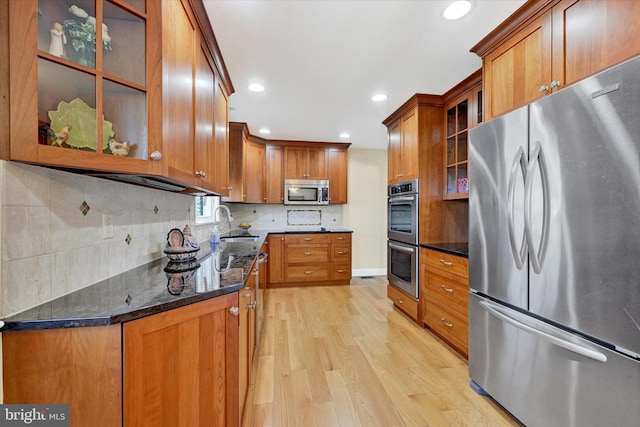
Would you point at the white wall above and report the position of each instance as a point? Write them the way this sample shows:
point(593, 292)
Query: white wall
point(366, 212)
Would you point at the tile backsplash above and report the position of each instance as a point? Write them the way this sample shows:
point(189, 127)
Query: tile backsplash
point(52, 231)
point(54, 241)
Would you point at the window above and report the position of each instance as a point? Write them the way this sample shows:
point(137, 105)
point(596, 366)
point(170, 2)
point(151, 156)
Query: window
point(205, 206)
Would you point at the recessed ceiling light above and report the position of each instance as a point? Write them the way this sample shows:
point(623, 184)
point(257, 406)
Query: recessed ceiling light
point(344, 135)
point(264, 131)
point(256, 87)
point(379, 97)
point(457, 9)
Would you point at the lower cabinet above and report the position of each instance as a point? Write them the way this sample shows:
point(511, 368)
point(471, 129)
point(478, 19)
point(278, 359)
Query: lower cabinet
point(175, 368)
point(246, 343)
point(444, 289)
point(306, 259)
point(404, 302)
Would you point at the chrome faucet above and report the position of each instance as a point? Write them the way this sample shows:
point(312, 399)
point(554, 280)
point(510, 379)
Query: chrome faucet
point(215, 213)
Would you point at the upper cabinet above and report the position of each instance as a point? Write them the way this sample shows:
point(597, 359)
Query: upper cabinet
point(78, 97)
point(337, 160)
point(549, 44)
point(304, 162)
point(247, 162)
point(462, 111)
point(274, 187)
point(144, 95)
point(403, 148)
point(195, 122)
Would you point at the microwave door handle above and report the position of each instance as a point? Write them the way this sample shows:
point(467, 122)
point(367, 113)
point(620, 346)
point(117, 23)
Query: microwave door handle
point(402, 248)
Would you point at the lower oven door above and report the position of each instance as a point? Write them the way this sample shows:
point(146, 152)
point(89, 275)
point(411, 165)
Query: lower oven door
point(402, 267)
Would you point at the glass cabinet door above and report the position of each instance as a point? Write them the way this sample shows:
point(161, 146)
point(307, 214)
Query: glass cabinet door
point(458, 116)
point(92, 83)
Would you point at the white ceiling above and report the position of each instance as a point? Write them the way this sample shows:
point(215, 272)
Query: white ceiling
point(322, 61)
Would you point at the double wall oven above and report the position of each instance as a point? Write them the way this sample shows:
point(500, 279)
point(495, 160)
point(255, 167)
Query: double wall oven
point(402, 232)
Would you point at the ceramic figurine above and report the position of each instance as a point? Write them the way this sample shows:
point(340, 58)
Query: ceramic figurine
point(57, 138)
point(80, 13)
point(58, 40)
point(117, 148)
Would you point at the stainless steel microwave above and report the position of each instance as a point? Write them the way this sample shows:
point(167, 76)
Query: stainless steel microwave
point(306, 192)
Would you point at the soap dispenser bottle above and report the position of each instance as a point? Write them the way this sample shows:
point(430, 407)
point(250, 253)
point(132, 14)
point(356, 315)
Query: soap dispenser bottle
point(214, 239)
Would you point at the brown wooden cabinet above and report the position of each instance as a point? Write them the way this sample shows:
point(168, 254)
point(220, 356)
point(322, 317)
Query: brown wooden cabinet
point(246, 343)
point(181, 366)
point(462, 111)
point(403, 148)
point(57, 98)
point(276, 258)
point(422, 117)
point(316, 258)
point(81, 367)
point(549, 44)
point(274, 180)
point(305, 162)
point(337, 164)
point(247, 163)
point(175, 368)
point(407, 304)
point(195, 102)
point(444, 287)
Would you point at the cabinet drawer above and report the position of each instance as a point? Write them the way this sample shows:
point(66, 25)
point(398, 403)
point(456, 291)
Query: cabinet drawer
point(341, 252)
point(307, 253)
point(341, 238)
point(451, 293)
point(307, 238)
point(447, 262)
point(308, 272)
point(341, 271)
point(403, 301)
point(449, 324)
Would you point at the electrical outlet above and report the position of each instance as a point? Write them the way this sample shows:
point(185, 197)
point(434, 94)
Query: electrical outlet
point(107, 226)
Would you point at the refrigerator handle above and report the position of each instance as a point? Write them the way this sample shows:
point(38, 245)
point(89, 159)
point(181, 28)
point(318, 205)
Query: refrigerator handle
point(537, 256)
point(519, 255)
point(499, 313)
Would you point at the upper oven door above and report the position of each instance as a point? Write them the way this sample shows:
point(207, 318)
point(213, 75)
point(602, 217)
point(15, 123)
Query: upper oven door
point(402, 219)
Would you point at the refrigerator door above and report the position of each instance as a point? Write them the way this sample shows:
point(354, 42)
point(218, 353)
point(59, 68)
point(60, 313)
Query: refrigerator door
point(498, 158)
point(587, 138)
point(545, 376)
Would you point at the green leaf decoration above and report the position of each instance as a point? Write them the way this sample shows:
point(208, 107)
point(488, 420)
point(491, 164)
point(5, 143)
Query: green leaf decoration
point(82, 118)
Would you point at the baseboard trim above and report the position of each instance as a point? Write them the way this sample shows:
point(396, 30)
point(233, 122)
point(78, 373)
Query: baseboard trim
point(369, 272)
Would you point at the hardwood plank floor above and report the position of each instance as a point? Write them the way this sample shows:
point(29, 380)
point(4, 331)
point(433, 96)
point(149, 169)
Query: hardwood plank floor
point(343, 356)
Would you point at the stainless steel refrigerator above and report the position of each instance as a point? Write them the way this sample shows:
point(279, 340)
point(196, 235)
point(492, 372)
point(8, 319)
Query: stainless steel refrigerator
point(554, 255)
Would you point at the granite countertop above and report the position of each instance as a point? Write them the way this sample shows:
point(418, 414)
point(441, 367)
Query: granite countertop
point(458, 249)
point(145, 290)
point(312, 230)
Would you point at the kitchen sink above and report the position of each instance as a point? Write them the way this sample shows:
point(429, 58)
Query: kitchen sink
point(235, 239)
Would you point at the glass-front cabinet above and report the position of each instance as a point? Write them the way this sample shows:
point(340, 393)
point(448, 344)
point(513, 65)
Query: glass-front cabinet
point(461, 114)
point(85, 84)
point(456, 159)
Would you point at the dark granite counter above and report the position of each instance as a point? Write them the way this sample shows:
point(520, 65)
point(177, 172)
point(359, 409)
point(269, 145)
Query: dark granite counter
point(311, 231)
point(458, 249)
point(146, 290)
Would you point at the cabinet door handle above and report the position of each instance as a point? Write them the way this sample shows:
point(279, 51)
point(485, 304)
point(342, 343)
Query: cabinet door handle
point(156, 155)
point(544, 89)
point(554, 84)
point(399, 300)
point(234, 310)
point(445, 323)
point(449, 263)
point(444, 288)
point(252, 304)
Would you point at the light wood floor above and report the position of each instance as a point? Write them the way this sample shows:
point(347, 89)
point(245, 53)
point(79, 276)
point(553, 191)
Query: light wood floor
point(342, 356)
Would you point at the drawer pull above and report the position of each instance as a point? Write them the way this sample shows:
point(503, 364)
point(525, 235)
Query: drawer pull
point(340, 238)
point(308, 253)
point(399, 300)
point(444, 288)
point(449, 263)
point(341, 271)
point(342, 252)
point(308, 238)
point(308, 272)
point(445, 323)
